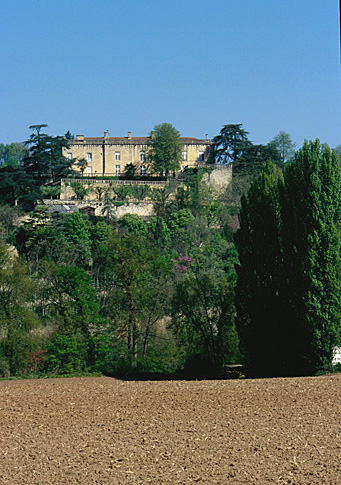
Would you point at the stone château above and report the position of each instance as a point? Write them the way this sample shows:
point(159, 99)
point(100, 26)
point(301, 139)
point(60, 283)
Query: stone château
point(109, 156)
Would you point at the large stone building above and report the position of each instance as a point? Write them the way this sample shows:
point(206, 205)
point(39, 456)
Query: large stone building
point(110, 155)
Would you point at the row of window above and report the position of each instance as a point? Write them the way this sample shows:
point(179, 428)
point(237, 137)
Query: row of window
point(118, 170)
point(142, 156)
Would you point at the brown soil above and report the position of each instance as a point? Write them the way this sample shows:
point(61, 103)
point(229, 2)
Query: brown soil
point(106, 431)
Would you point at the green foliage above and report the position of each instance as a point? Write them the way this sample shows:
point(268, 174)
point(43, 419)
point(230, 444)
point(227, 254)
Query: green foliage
point(165, 357)
point(229, 145)
point(284, 144)
point(82, 164)
point(132, 224)
point(165, 152)
point(289, 274)
point(121, 192)
point(50, 192)
point(130, 170)
point(17, 317)
point(140, 191)
point(180, 219)
point(77, 234)
point(203, 318)
point(251, 161)
point(109, 354)
point(17, 185)
point(12, 154)
point(72, 300)
point(259, 274)
point(44, 159)
point(81, 190)
point(338, 152)
point(233, 146)
point(9, 219)
point(66, 354)
point(311, 215)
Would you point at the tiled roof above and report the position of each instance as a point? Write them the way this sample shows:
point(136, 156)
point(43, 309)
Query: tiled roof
point(141, 140)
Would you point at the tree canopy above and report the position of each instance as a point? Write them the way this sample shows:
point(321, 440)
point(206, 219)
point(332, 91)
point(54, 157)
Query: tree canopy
point(165, 149)
point(284, 145)
point(233, 146)
point(287, 297)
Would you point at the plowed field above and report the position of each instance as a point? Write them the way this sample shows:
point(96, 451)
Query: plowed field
point(107, 431)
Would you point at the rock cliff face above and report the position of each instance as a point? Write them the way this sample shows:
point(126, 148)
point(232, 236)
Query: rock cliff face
point(219, 178)
point(142, 209)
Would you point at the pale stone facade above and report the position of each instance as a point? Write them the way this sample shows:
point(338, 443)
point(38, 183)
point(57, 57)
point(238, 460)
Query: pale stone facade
point(219, 179)
point(110, 155)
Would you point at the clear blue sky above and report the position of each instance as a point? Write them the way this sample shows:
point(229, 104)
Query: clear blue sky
point(87, 66)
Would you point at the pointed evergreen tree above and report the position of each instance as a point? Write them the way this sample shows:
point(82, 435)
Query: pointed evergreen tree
point(310, 211)
point(288, 292)
point(257, 296)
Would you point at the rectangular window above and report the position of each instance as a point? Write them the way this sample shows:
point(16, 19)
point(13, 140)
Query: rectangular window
point(89, 170)
point(142, 156)
point(201, 157)
point(89, 157)
point(117, 156)
point(184, 156)
point(118, 170)
point(142, 170)
point(69, 156)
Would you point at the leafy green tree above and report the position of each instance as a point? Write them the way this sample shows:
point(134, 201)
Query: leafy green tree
point(9, 218)
point(121, 192)
point(203, 314)
point(80, 190)
point(82, 164)
point(12, 154)
point(230, 144)
point(66, 355)
point(62, 238)
point(50, 192)
point(132, 224)
point(259, 275)
point(140, 191)
point(287, 298)
point(17, 186)
point(338, 152)
point(77, 234)
point(130, 170)
point(17, 317)
point(284, 144)
point(310, 200)
point(165, 149)
point(132, 274)
point(251, 161)
point(44, 159)
point(72, 302)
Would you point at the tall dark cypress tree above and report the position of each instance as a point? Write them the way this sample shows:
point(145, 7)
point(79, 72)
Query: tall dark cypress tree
point(288, 291)
point(257, 292)
point(310, 212)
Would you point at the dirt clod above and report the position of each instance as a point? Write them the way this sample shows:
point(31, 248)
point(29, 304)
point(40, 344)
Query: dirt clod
point(107, 431)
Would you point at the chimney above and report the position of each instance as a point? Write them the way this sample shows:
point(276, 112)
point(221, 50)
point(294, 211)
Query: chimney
point(129, 135)
point(206, 136)
point(106, 134)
